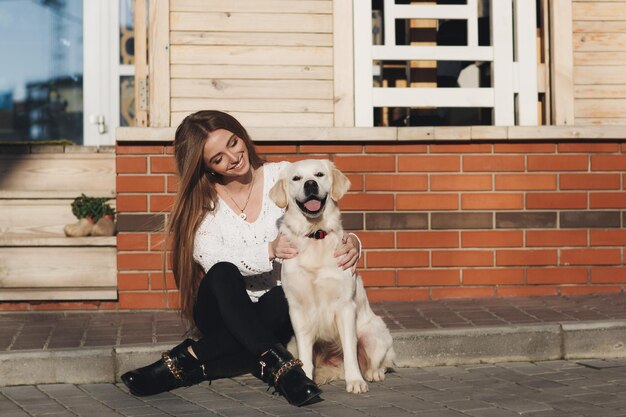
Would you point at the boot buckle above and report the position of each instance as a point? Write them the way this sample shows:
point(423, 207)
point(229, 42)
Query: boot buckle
point(172, 366)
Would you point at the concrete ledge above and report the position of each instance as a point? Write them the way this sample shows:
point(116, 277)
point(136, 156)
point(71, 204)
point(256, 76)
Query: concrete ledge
point(592, 340)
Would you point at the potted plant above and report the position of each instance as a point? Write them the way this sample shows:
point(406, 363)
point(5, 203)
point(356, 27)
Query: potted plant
point(95, 217)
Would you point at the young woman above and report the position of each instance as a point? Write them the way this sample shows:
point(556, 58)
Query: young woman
point(226, 254)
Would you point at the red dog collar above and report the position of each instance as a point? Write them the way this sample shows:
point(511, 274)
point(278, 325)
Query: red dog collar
point(318, 234)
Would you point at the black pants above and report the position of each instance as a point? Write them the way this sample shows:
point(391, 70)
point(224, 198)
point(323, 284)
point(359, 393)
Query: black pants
point(235, 331)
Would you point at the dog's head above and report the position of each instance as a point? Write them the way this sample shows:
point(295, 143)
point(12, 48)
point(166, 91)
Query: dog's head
point(308, 184)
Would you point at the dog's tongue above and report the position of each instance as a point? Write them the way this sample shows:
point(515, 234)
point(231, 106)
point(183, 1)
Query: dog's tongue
point(313, 205)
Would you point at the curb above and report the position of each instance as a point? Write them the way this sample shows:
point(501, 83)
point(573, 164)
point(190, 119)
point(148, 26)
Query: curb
point(535, 342)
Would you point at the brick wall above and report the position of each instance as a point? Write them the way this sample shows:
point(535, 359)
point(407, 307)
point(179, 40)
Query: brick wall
point(437, 220)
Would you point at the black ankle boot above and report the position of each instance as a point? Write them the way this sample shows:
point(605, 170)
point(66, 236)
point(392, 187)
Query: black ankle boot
point(281, 370)
point(176, 368)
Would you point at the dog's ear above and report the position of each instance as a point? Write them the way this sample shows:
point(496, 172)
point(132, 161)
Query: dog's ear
point(278, 193)
point(340, 183)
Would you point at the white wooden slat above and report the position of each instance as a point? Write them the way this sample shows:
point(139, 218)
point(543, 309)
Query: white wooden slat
point(254, 105)
point(251, 22)
point(250, 38)
point(275, 119)
point(562, 66)
point(427, 11)
point(58, 267)
point(599, 58)
point(389, 23)
point(502, 41)
point(296, 89)
point(343, 64)
point(433, 97)
point(472, 22)
point(253, 72)
point(252, 6)
point(363, 73)
point(600, 75)
point(438, 53)
point(600, 91)
point(251, 55)
point(597, 42)
point(526, 42)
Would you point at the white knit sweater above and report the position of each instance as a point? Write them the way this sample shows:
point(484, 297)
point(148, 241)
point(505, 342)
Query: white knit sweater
point(224, 236)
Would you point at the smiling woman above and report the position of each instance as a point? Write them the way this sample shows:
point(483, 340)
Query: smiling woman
point(226, 253)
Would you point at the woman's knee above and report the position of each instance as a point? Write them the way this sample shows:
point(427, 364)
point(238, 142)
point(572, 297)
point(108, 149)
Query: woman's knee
point(220, 276)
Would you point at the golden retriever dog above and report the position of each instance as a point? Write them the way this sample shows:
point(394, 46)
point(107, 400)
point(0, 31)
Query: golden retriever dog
point(336, 331)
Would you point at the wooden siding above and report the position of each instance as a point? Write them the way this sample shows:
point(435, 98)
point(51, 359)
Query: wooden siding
point(267, 62)
point(599, 46)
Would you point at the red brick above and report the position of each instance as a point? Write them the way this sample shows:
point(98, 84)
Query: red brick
point(556, 276)
point(131, 203)
point(68, 305)
point(396, 259)
point(524, 148)
point(156, 242)
point(274, 149)
point(397, 294)
point(526, 257)
point(139, 150)
point(590, 181)
point(371, 240)
point(548, 238)
point(607, 200)
point(367, 202)
point(162, 165)
point(462, 258)
point(173, 299)
point(428, 240)
point(464, 148)
point(464, 292)
point(356, 182)
point(142, 300)
point(607, 237)
point(140, 183)
point(492, 239)
point(608, 275)
point(332, 148)
point(294, 158)
point(608, 162)
point(157, 280)
point(587, 147)
point(525, 182)
point(556, 200)
point(493, 163)
point(139, 261)
point(591, 257)
point(161, 203)
point(131, 165)
point(4, 306)
point(365, 163)
point(429, 277)
point(169, 150)
point(508, 276)
point(378, 277)
point(129, 281)
point(132, 241)
point(396, 182)
point(395, 149)
point(586, 290)
point(506, 292)
point(492, 201)
point(463, 182)
point(427, 201)
point(429, 163)
point(172, 183)
point(558, 163)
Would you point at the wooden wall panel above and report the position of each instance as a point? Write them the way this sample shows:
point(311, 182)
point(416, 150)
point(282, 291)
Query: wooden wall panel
point(267, 62)
point(599, 47)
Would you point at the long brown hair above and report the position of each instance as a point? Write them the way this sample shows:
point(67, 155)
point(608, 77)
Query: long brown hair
point(196, 196)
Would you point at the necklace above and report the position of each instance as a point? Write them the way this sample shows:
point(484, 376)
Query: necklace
point(243, 215)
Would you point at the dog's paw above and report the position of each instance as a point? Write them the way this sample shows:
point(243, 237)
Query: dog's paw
point(375, 375)
point(357, 386)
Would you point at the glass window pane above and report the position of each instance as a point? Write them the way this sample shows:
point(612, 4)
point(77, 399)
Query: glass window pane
point(41, 76)
point(127, 32)
point(127, 101)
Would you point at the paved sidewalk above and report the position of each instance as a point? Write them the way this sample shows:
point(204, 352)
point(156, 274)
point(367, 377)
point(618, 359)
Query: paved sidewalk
point(546, 389)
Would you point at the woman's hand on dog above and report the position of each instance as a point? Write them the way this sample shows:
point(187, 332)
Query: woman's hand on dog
point(348, 252)
point(281, 248)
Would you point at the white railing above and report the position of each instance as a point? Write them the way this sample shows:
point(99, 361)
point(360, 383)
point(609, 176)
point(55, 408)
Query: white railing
point(512, 25)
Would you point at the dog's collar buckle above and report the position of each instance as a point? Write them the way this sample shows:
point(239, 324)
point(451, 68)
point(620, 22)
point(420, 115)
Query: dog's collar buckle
point(318, 234)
